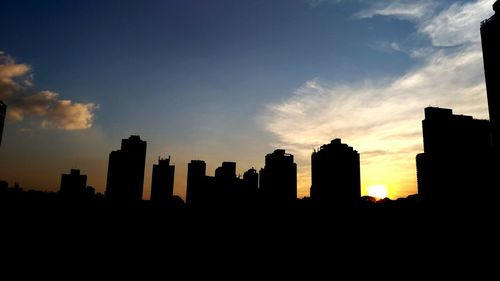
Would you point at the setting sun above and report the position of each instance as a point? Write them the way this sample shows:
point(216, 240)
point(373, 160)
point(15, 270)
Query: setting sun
point(378, 191)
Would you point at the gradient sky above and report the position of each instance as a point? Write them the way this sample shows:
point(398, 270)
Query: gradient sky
point(228, 80)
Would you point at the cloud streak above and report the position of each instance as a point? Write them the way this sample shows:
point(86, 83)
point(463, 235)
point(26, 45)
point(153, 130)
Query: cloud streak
point(380, 118)
point(44, 107)
point(405, 10)
point(457, 25)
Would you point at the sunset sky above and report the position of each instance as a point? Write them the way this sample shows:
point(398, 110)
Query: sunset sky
point(231, 80)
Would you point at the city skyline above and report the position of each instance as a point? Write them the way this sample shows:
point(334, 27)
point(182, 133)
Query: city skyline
point(210, 124)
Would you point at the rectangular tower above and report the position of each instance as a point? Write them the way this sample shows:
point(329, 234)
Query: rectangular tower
point(278, 178)
point(162, 183)
point(73, 184)
point(196, 182)
point(456, 166)
point(490, 38)
point(126, 172)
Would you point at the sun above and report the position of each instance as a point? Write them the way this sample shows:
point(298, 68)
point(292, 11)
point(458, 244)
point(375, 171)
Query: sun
point(378, 191)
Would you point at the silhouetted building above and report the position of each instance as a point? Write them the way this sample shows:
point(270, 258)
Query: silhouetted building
point(162, 183)
point(3, 111)
point(225, 181)
point(126, 172)
point(278, 178)
point(226, 171)
point(335, 175)
point(196, 183)
point(251, 180)
point(73, 184)
point(490, 33)
point(250, 187)
point(456, 165)
point(229, 189)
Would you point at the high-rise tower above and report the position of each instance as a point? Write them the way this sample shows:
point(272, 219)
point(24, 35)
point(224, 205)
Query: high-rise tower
point(278, 178)
point(126, 172)
point(162, 182)
point(335, 175)
point(490, 38)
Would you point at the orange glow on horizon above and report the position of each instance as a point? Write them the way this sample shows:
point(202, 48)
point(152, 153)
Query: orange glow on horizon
point(378, 191)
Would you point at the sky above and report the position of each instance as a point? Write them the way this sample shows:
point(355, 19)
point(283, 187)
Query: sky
point(227, 80)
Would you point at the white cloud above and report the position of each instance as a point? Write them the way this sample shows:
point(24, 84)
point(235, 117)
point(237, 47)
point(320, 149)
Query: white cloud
point(457, 25)
point(381, 119)
point(406, 10)
point(44, 106)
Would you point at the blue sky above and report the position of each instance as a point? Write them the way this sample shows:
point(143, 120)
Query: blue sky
point(232, 80)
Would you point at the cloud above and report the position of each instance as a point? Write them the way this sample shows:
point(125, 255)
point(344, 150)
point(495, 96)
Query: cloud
point(406, 10)
point(45, 106)
point(457, 25)
point(387, 46)
point(9, 71)
point(382, 119)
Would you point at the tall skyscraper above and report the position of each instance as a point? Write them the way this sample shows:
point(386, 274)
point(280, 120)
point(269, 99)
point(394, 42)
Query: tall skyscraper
point(278, 178)
point(335, 175)
point(73, 184)
point(196, 182)
point(162, 182)
point(490, 37)
point(126, 172)
point(3, 111)
point(456, 166)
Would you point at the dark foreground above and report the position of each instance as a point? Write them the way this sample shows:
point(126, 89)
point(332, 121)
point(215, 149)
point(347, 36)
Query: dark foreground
point(75, 240)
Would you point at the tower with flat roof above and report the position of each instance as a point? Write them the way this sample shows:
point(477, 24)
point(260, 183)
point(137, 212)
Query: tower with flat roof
point(126, 172)
point(197, 189)
point(457, 164)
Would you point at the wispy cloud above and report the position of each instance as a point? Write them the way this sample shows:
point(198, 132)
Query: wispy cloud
point(380, 118)
point(457, 25)
point(387, 46)
point(406, 10)
point(45, 106)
